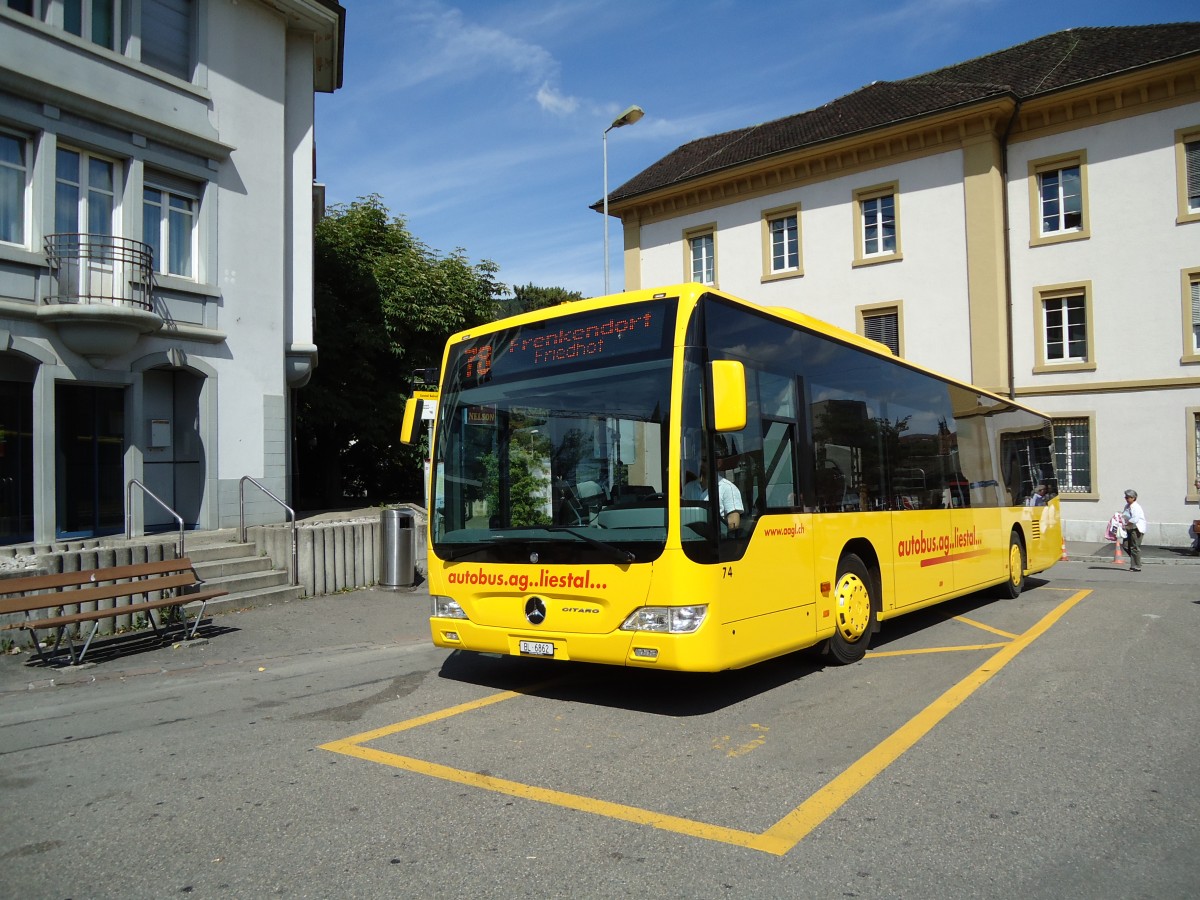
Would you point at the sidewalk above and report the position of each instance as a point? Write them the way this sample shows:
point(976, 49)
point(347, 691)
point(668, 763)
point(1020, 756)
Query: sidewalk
point(1151, 555)
point(267, 635)
point(248, 638)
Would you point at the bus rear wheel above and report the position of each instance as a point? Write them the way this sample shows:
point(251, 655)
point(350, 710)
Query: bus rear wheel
point(1015, 583)
point(854, 611)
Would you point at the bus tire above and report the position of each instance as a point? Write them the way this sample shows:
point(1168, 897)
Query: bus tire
point(1015, 582)
point(854, 611)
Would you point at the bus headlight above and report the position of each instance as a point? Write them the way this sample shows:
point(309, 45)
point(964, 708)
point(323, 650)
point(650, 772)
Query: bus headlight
point(666, 619)
point(446, 608)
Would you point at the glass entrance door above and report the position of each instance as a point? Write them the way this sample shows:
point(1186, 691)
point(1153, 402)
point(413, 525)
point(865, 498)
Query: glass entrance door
point(173, 460)
point(16, 461)
point(90, 468)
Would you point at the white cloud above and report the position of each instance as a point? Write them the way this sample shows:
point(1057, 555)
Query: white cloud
point(447, 44)
point(443, 45)
point(555, 102)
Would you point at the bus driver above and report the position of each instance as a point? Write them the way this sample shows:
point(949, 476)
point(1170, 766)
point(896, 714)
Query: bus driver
point(729, 498)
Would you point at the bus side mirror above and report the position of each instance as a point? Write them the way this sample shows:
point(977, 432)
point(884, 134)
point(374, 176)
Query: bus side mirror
point(410, 428)
point(729, 395)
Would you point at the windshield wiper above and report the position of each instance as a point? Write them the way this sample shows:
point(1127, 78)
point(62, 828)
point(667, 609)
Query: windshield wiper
point(616, 552)
point(464, 552)
point(622, 556)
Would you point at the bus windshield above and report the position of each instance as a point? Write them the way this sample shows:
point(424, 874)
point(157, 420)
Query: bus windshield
point(552, 442)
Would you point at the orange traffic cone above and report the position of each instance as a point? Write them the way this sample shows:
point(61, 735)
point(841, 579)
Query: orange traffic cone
point(1064, 557)
point(1118, 556)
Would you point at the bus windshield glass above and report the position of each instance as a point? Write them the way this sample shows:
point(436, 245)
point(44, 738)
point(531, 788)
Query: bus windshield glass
point(552, 442)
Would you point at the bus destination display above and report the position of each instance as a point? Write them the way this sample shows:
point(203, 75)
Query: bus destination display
point(591, 337)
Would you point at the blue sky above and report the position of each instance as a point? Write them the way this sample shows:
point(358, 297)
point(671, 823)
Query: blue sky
point(480, 123)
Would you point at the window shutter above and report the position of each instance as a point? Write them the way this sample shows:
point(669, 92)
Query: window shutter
point(166, 181)
point(167, 36)
point(884, 328)
point(1196, 310)
point(1192, 155)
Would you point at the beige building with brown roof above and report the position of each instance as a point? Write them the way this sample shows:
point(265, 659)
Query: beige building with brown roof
point(1028, 220)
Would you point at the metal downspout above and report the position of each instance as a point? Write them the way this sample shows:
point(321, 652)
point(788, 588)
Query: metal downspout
point(1008, 292)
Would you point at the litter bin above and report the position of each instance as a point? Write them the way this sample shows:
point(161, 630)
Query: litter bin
point(397, 549)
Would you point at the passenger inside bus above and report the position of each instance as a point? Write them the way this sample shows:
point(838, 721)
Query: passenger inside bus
point(729, 498)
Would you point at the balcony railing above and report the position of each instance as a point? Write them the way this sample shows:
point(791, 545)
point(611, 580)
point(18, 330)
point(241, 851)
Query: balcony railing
point(100, 269)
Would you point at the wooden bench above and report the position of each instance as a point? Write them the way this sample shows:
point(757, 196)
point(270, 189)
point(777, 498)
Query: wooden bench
point(44, 599)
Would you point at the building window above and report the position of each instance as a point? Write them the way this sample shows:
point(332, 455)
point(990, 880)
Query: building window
point(1063, 317)
point(701, 248)
point(785, 249)
point(98, 21)
point(1193, 435)
point(84, 193)
point(883, 323)
point(1058, 199)
point(1187, 164)
point(877, 224)
point(1073, 455)
point(167, 36)
point(1061, 196)
point(781, 243)
point(14, 179)
point(95, 20)
point(1191, 315)
point(169, 224)
point(1066, 329)
point(21, 6)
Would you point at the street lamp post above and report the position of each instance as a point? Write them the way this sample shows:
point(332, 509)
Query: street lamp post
point(631, 115)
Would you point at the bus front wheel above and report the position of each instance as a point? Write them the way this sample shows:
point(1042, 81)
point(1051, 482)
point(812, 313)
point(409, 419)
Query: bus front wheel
point(854, 609)
point(1015, 583)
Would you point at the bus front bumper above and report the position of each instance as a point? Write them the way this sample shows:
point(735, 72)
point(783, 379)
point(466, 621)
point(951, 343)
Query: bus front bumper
point(679, 652)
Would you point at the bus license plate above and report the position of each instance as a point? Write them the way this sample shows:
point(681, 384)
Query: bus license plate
point(537, 648)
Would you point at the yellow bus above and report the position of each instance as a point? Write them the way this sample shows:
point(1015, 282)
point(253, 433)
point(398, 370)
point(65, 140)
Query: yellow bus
point(679, 479)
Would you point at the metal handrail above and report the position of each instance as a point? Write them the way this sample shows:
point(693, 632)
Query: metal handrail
point(133, 482)
point(242, 521)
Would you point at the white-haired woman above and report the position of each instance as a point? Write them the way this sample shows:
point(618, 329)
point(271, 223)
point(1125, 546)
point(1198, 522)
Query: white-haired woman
point(1135, 527)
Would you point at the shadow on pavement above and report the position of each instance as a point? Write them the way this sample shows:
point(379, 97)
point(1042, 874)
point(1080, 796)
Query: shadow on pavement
point(110, 648)
point(674, 694)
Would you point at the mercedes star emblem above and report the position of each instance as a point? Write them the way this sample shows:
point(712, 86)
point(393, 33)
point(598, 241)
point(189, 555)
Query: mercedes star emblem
point(535, 611)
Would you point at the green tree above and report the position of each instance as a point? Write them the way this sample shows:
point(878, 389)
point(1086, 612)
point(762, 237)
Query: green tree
point(385, 303)
point(528, 297)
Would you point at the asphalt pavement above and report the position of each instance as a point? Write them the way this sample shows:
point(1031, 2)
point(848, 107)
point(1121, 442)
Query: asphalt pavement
point(370, 617)
point(251, 637)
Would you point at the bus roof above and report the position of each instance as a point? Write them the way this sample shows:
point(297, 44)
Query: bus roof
point(693, 291)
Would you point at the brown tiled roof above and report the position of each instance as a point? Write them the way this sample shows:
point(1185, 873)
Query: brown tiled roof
point(1040, 66)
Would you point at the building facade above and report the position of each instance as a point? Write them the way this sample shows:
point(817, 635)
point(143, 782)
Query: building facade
point(156, 221)
point(1028, 221)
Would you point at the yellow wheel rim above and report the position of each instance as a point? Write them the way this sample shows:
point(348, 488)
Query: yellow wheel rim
point(853, 607)
point(1014, 563)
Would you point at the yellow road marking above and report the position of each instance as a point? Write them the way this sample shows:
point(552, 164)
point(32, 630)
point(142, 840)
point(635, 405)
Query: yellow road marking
point(796, 825)
point(546, 795)
point(419, 721)
point(972, 622)
point(876, 654)
point(742, 750)
point(780, 837)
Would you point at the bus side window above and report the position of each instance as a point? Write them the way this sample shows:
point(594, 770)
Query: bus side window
point(779, 474)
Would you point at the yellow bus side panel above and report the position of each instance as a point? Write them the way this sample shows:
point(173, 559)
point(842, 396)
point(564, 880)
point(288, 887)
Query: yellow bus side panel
point(768, 603)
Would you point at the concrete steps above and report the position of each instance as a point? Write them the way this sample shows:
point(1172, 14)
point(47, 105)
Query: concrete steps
point(337, 551)
point(251, 578)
